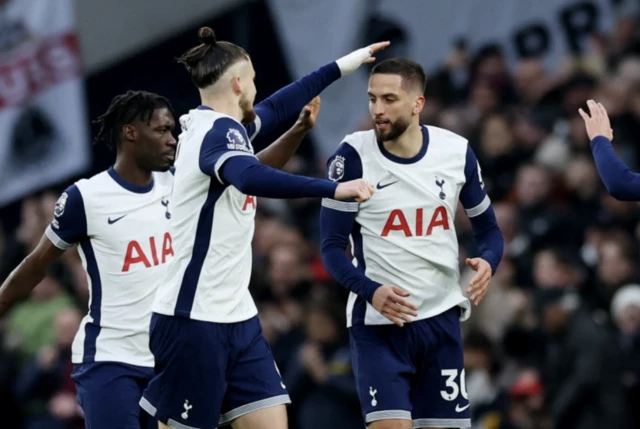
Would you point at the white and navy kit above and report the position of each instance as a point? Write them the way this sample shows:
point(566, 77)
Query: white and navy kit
point(124, 242)
point(212, 362)
point(405, 236)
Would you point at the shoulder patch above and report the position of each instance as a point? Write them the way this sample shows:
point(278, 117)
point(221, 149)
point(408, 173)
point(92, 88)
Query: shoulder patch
point(336, 168)
point(58, 209)
point(236, 140)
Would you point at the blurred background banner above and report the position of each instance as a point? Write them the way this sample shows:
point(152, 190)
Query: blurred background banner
point(43, 118)
point(313, 33)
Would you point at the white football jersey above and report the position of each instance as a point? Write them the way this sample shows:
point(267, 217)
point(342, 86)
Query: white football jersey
point(212, 225)
point(405, 234)
point(124, 243)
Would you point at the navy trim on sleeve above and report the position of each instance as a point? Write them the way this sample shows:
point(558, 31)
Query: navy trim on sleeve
point(69, 224)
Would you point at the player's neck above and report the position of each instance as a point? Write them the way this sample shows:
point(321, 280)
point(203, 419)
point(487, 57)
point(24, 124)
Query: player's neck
point(222, 104)
point(408, 144)
point(131, 173)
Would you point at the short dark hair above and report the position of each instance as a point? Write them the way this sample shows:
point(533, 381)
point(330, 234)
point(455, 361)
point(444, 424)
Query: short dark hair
point(124, 109)
point(411, 72)
point(210, 59)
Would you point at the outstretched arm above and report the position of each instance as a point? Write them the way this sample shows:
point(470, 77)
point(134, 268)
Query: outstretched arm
point(67, 227)
point(620, 181)
point(278, 153)
point(284, 104)
point(226, 155)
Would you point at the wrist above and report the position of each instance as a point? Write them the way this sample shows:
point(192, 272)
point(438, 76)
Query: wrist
point(372, 287)
point(300, 128)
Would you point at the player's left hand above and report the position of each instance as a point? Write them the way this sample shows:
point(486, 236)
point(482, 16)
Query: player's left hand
point(350, 62)
point(309, 114)
point(598, 124)
point(480, 282)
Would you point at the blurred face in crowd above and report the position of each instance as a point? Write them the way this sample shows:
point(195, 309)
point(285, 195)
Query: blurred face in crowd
point(321, 327)
point(497, 138)
point(484, 97)
point(553, 317)
point(394, 105)
point(285, 270)
point(66, 324)
point(581, 178)
point(549, 272)
point(507, 217)
point(614, 267)
point(628, 319)
point(613, 95)
point(475, 359)
point(530, 79)
point(532, 185)
point(527, 133)
point(47, 289)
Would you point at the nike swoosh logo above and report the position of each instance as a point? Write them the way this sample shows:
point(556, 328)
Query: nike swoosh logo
point(379, 186)
point(112, 221)
point(461, 409)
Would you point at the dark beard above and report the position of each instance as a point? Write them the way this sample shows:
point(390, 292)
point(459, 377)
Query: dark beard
point(396, 130)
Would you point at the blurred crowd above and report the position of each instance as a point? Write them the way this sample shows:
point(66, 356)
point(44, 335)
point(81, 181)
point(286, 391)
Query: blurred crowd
point(556, 342)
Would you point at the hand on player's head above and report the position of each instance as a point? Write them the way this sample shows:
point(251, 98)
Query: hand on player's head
point(358, 189)
point(350, 62)
point(598, 123)
point(390, 301)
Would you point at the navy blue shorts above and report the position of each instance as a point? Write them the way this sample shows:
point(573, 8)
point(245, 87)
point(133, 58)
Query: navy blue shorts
point(109, 393)
point(208, 374)
point(414, 373)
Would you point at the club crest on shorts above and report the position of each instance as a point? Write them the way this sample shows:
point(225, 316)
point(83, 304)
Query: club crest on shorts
point(336, 168)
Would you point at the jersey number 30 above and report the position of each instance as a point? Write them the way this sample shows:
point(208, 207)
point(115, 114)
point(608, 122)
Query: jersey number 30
point(453, 388)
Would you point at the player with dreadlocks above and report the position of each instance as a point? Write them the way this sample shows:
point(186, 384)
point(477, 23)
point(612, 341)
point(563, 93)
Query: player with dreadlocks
point(119, 220)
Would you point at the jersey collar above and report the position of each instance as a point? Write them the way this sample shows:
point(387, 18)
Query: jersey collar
point(412, 160)
point(128, 186)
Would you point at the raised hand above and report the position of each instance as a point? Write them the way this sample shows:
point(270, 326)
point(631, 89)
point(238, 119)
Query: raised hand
point(309, 114)
point(598, 123)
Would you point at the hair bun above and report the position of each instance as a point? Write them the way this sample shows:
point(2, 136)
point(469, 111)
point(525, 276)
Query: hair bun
point(207, 36)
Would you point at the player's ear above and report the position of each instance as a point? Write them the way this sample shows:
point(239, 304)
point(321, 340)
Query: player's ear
point(418, 105)
point(236, 85)
point(129, 132)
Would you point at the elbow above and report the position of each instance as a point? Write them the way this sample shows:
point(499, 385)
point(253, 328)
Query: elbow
point(244, 187)
point(245, 183)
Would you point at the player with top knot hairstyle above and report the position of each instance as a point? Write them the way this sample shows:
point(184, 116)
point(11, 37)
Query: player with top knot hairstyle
point(213, 365)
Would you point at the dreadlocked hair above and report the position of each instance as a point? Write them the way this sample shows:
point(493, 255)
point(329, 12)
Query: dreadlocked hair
point(124, 109)
point(208, 61)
